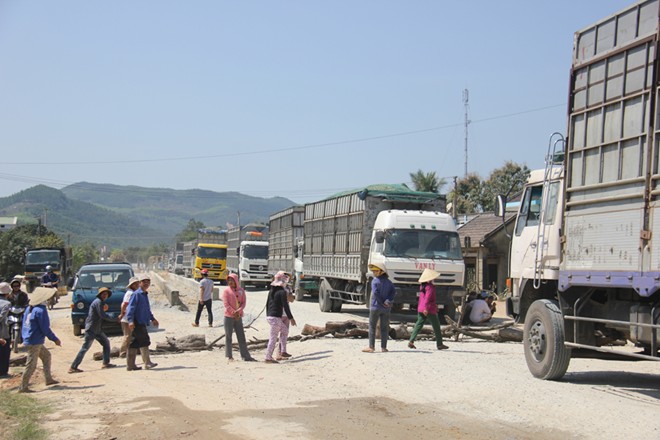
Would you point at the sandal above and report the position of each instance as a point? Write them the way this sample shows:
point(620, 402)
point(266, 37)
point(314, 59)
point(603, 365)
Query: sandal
point(442, 347)
point(368, 350)
point(75, 370)
point(411, 345)
point(384, 350)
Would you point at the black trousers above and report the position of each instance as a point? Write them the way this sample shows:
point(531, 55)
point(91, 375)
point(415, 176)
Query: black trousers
point(209, 309)
point(140, 337)
point(5, 350)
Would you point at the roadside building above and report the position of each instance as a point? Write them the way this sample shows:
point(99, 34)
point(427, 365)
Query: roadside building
point(485, 249)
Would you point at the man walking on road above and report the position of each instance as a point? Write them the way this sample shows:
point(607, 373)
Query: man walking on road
point(36, 328)
point(138, 314)
point(205, 298)
point(93, 331)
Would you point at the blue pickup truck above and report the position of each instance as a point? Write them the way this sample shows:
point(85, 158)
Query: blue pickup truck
point(89, 279)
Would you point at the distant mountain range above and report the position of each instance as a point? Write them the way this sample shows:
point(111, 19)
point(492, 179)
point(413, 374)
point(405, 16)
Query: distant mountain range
point(119, 216)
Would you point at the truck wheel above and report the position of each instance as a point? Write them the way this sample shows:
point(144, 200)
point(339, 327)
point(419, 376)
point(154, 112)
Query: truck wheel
point(15, 343)
point(325, 303)
point(77, 331)
point(367, 294)
point(543, 339)
point(300, 294)
point(336, 306)
point(242, 283)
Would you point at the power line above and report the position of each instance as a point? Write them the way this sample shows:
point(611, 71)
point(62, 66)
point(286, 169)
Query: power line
point(298, 148)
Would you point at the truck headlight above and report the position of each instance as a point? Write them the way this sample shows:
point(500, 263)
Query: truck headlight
point(80, 305)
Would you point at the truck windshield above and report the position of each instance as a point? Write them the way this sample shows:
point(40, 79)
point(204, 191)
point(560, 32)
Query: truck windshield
point(112, 279)
point(209, 252)
point(43, 258)
point(424, 243)
point(255, 252)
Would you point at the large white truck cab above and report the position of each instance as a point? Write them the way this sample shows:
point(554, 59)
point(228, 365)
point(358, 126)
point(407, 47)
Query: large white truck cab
point(253, 263)
point(536, 240)
point(407, 242)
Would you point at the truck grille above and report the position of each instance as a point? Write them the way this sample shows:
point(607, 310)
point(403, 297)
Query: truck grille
point(258, 268)
point(211, 266)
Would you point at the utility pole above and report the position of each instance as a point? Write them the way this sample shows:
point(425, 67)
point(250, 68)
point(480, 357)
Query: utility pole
point(466, 98)
point(455, 199)
point(238, 215)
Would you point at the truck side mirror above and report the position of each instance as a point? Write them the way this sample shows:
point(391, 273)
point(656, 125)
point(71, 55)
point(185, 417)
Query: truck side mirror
point(238, 251)
point(500, 205)
point(380, 237)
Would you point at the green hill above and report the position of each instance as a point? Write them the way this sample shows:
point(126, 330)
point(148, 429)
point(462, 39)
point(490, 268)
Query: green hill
point(78, 221)
point(169, 210)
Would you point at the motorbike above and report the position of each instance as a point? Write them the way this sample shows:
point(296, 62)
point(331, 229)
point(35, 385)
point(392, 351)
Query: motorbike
point(15, 321)
point(53, 299)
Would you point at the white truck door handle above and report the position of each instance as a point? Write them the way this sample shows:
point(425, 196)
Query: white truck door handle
point(533, 245)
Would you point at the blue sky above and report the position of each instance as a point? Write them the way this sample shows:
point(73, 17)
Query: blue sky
point(299, 99)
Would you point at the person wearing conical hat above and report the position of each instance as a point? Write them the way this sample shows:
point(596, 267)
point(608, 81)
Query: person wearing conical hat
point(427, 310)
point(382, 298)
point(36, 328)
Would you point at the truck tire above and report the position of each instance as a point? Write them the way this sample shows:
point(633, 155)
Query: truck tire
point(367, 294)
point(77, 331)
point(543, 339)
point(336, 306)
point(325, 303)
point(15, 342)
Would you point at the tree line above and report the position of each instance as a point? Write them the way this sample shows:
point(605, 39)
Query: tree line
point(472, 194)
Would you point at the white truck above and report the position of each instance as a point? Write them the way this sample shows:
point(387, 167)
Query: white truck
point(585, 265)
point(401, 230)
point(247, 254)
point(286, 249)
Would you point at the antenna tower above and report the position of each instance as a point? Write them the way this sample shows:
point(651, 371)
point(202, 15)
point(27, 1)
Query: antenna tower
point(466, 98)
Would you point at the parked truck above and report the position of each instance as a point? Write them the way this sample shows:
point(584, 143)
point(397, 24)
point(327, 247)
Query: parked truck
point(401, 230)
point(208, 252)
point(36, 261)
point(585, 264)
point(285, 249)
point(178, 259)
point(248, 254)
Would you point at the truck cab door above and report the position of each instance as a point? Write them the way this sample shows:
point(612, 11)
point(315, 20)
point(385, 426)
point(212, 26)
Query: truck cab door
point(527, 234)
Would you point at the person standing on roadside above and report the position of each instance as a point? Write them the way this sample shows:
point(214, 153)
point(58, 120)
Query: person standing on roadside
point(382, 297)
point(234, 300)
point(205, 298)
point(138, 314)
point(36, 328)
point(94, 331)
point(284, 334)
point(277, 305)
point(5, 342)
point(427, 309)
point(133, 284)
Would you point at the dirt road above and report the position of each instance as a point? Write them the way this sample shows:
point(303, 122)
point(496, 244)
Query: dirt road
point(331, 390)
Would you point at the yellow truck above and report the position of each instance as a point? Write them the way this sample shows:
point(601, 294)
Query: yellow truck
point(208, 252)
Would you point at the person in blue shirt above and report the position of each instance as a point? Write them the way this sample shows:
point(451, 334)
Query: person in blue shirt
point(139, 316)
point(36, 328)
point(94, 331)
point(382, 298)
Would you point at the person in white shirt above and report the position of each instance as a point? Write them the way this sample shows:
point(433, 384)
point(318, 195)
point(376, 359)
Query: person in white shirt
point(132, 285)
point(482, 309)
point(205, 298)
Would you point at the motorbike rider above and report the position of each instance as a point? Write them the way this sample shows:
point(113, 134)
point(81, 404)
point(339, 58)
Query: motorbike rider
point(17, 297)
point(50, 278)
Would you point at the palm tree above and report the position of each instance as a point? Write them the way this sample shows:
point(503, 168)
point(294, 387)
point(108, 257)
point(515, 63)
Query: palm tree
point(428, 182)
